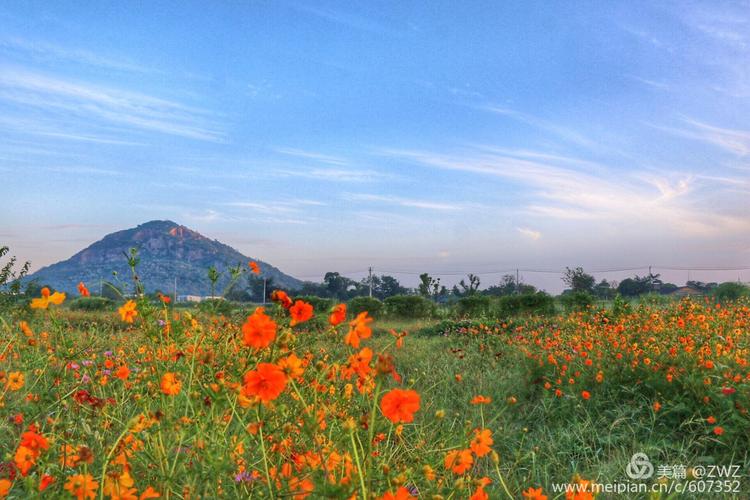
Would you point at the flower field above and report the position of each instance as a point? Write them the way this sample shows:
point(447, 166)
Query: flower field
point(288, 402)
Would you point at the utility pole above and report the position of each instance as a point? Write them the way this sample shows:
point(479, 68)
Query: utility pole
point(650, 280)
point(369, 270)
point(517, 287)
point(264, 291)
point(175, 290)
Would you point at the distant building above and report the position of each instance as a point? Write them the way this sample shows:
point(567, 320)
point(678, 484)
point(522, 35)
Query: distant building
point(196, 298)
point(686, 291)
point(189, 298)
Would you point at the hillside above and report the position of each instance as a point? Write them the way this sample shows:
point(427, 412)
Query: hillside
point(167, 251)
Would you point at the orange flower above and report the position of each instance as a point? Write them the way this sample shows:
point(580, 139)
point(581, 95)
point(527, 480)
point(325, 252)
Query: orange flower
point(399, 338)
point(481, 400)
point(128, 311)
point(120, 487)
point(266, 382)
point(534, 494)
point(83, 290)
point(46, 299)
point(123, 372)
point(33, 441)
point(259, 330)
point(586, 395)
point(401, 494)
point(149, 493)
point(254, 267)
point(400, 405)
point(170, 385)
point(718, 430)
point(165, 299)
point(459, 461)
point(358, 329)
point(292, 366)
point(479, 494)
point(26, 329)
point(282, 298)
point(481, 442)
point(5, 485)
point(657, 406)
point(82, 486)
point(24, 459)
point(301, 311)
point(711, 420)
point(338, 315)
point(45, 481)
point(15, 381)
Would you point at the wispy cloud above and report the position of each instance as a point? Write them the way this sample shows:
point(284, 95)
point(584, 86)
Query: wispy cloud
point(655, 84)
point(554, 190)
point(529, 233)
point(732, 140)
point(334, 174)
point(562, 132)
point(313, 155)
point(44, 51)
point(276, 206)
point(85, 100)
point(405, 202)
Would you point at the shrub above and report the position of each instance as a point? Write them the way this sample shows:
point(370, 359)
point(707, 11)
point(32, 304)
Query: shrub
point(91, 304)
point(320, 305)
point(730, 291)
point(216, 306)
point(409, 306)
point(473, 305)
point(528, 303)
point(577, 301)
point(369, 304)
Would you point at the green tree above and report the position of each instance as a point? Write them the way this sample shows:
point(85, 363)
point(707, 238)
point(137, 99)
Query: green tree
point(464, 289)
point(578, 280)
point(213, 277)
point(10, 278)
point(730, 290)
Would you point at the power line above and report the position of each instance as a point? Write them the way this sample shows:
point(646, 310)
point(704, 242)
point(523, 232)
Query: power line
point(543, 271)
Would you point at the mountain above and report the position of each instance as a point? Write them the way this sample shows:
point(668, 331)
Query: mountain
point(167, 251)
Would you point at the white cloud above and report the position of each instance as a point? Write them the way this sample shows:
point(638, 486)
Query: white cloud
point(529, 233)
point(84, 100)
point(553, 189)
point(406, 202)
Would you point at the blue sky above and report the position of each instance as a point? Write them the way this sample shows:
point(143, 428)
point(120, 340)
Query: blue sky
point(409, 136)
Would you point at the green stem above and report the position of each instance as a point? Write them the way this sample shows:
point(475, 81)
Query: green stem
point(265, 458)
point(359, 465)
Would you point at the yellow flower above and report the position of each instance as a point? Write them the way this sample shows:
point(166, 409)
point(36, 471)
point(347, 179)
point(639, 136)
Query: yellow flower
point(46, 299)
point(128, 311)
point(15, 381)
point(82, 486)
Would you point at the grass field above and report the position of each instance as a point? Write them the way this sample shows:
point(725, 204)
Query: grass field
point(184, 404)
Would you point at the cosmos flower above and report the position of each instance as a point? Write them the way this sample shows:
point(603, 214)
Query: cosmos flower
point(266, 382)
point(338, 315)
point(358, 329)
point(82, 486)
point(400, 405)
point(254, 267)
point(128, 311)
point(282, 298)
point(481, 443)
point(301, 311)
point(259, 330)
point(170, 385)
point(459, 461)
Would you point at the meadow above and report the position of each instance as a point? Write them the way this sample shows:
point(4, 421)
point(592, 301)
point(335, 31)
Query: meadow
point(153, 401)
